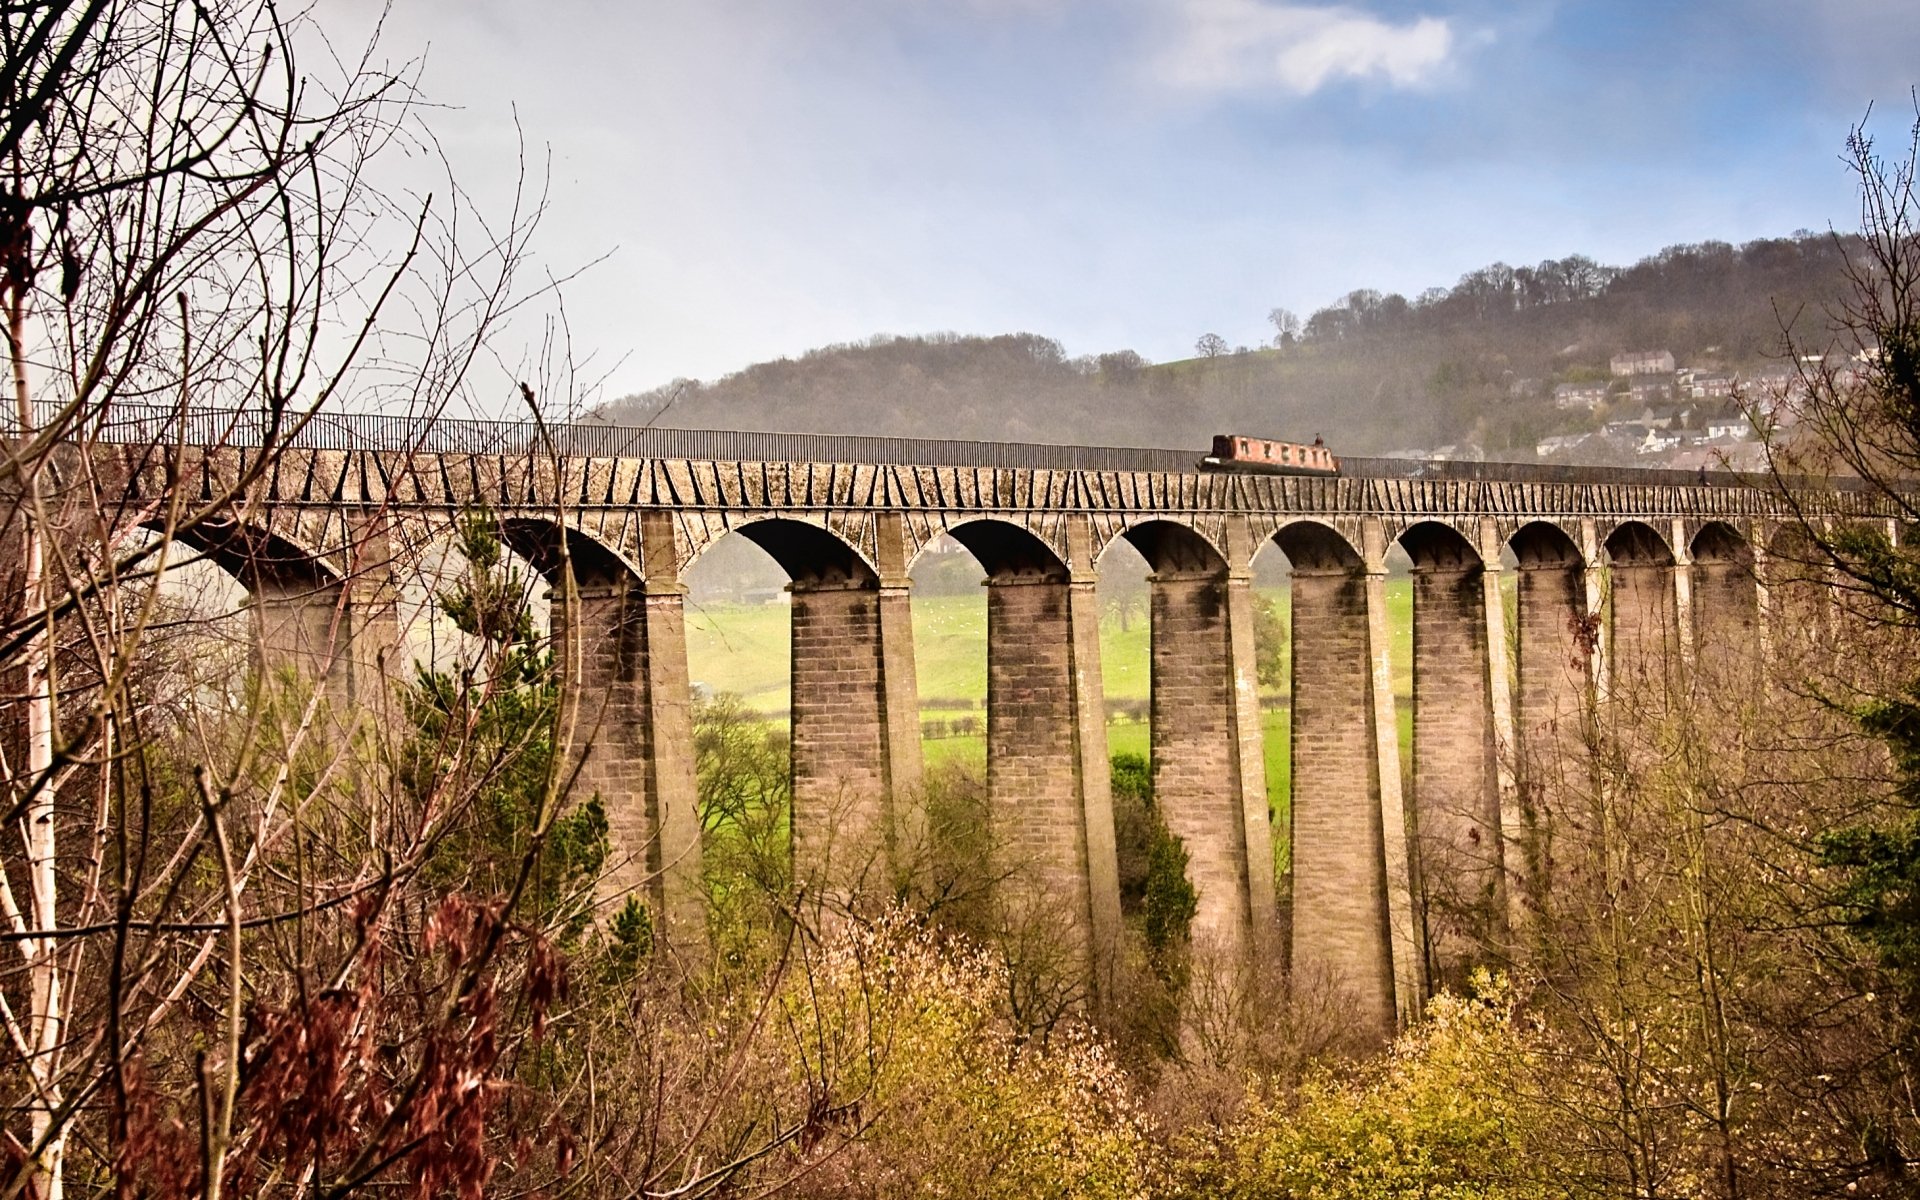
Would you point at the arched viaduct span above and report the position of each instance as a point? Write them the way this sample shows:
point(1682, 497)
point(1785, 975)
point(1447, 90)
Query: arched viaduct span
point(1672, 565)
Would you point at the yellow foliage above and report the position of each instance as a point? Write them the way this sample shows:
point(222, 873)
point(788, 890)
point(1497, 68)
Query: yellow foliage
point(949, 1101)
point(1442, 1116)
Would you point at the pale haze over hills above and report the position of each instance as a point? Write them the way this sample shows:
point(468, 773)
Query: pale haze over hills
point(1482, 363)
point(754, 180)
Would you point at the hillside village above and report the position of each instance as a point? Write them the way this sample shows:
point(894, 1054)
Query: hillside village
point(1650, 410)
point(1568, 361)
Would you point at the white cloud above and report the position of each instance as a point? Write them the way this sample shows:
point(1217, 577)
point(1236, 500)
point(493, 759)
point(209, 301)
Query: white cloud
point(1227, 45)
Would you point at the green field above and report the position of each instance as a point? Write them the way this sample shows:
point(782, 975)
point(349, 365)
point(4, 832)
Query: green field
point(743, 649)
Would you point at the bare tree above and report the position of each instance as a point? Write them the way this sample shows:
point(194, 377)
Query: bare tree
point(187, 228)
point(1286, 326)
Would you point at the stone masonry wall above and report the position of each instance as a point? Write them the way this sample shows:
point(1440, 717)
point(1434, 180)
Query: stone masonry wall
point(1551, 666)
point(1032, 769)
point(605, 634)
point(1643, 645)
point(303, 631)
point(1456, 803)
point(1725, 607)
point(1195, 782)
point(839, 769)
point(1341, 936)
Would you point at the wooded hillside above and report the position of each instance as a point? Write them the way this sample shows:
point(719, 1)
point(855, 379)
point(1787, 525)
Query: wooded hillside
point(1375, 373)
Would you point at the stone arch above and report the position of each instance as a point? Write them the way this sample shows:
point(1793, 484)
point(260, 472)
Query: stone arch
point(1555, 641)
point(1341, 923)
point(1456, 800)
point(1434, 546)
point(810, 554)
point(853, 717)
point(1172, 548)
point(1720, 542)
point(296, 598)
point(1053, 862)
point(1637, 544)
point(1789, 539)
point(1009, 552)
point(1643, 634)
point(1725, 594)
point(1315, 546)
point(1543, 545)
point(549, 546)
point(1208, 778)
point(1436, 525)
point(1800, 599)
point(256, 556)
point(620, 651)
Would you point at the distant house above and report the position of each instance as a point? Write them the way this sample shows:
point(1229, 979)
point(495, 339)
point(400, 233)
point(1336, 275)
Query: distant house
point(1732, 429)
point(1580, 395)
point(1637, 427)
point(1709, 385)
point(1737, 456)
point(1642, 362)
point(1651, 389)
point(1560, 444)
point(1773, 390)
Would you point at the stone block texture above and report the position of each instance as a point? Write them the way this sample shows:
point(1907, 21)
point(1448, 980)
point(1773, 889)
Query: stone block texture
point(1643, 646)
point(303, 631)
point(1341, 935)
point(1033, 772)
point(839, 737)
point(1196, 782)
point(1455, 791)
point(1552, 664)
point(1726, 613)
point(601, 636)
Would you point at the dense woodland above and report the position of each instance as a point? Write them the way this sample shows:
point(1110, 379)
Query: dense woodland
point(1375, 374)
point(260, 937)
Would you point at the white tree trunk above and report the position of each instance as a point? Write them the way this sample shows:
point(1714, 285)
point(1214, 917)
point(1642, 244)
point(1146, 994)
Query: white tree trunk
point(46, 1016)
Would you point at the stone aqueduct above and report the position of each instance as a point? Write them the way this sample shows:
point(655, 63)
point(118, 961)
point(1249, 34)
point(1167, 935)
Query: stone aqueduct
point(1672, 565)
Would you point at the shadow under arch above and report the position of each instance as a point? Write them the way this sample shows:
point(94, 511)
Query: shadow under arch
point(1313, 546)
point(1008, 552)
point(1173, 548)
point(1433, 545)
point(1726, 597)
point(1717, 542)
point(259, 559)
point(1643, 642)
point(1544, 546)
point(550, 546)
point(810, 555)
point(1637, 544)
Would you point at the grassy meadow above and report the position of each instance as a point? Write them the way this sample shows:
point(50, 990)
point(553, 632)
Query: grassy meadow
point(743, 649)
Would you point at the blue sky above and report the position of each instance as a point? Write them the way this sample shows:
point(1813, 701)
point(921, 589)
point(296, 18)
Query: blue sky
point(764, 176)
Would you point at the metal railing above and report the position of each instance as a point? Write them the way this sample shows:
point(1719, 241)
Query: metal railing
point(127, 424)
